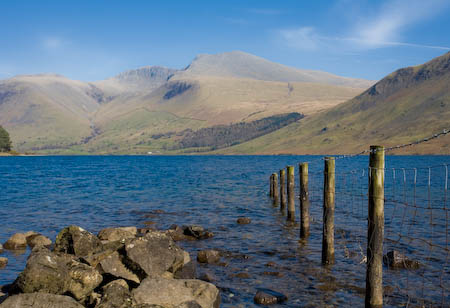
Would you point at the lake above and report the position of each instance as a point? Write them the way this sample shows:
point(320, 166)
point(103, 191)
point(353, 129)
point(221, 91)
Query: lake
point(46, 194)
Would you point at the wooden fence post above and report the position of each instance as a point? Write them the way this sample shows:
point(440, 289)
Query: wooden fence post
point(375, 234)
point(271, 186)
point(304, 201)
point(328, 212)
point(282, 190)
point(275, 189)
point(290, 193)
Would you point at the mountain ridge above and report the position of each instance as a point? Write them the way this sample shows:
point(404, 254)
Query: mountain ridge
point(115, 115)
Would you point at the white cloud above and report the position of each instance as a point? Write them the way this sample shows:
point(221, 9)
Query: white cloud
point(304, 38)
point(52, 43)
point(385, 28)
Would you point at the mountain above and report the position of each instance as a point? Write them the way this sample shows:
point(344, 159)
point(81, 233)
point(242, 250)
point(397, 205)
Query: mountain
point(238, 64)
point(49, 113)
point(408, 105)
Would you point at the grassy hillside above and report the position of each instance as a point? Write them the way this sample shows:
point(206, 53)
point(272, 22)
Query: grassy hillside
point(406, 106)
point(52, 114)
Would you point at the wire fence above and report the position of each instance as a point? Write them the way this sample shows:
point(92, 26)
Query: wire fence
point(416, 269)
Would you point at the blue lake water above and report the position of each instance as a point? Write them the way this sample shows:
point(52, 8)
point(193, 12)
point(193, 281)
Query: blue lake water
point(45, 194)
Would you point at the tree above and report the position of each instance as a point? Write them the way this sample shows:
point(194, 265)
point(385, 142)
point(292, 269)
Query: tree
point(5, 142)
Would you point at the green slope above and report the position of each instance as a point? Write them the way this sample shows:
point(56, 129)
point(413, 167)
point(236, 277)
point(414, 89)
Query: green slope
point(406, 106)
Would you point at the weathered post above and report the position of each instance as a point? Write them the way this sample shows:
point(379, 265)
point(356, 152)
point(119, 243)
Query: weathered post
point(275, 189)
point(271, 186)
point(304, 201)
point(375, 234)
point(290, 193)
point(282, 190)
point(328, 212)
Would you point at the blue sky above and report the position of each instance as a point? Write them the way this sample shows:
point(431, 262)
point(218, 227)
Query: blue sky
point(92, 40)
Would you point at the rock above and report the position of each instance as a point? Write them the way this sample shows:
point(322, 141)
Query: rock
point(397, 260)
point(190, 304)
point(113, 265)
point(177, 292)
point(189, 269)
point(77, 241)
point(38, 240)
point(209, 256)
point(40, 300)
point(56, 274)
point(243, 220)
point(1, 248)
point(145, 230)
point(197, 232)
point(83, 280)
point(271, 264)
point(269, 297)
point(3, 262)
point(208, 277)
point(117, 234)
point(17, 241)
point(242, 275)
point(116, 294)
point(275, 274)
point(30, 234)
point(154, 254)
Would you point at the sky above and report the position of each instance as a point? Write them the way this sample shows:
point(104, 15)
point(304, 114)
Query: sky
point(94, 40)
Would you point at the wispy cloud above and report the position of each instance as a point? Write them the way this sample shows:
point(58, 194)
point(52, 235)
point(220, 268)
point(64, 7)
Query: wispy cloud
point(53, 43)
point(385, 28)
point(303, 38)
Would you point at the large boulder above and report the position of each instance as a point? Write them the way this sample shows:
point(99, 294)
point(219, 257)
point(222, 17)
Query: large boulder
point(77, 241)
point(16, 241)
point(113, 265)
point(117, 234)
point(40, 300)
point(116, 294)
point(154, 254)
point(57, 274)
point(177, 292)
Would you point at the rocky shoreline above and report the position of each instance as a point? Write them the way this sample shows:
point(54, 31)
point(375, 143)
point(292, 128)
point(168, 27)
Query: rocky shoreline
point(119, 268)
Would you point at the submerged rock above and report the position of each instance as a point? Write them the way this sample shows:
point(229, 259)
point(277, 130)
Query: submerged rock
point(117, 234)
point(77, 241)
point(40, 300)
point(177, 293)
point(198, 232)
point(243, 220)
point(16, 241)
point(3, 262)
point(269, 297)
point(155, 253)
point(208, 256)
point(397, 260)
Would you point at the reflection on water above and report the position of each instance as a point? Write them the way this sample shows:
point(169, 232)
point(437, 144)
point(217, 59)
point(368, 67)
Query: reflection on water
point(45, 194)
